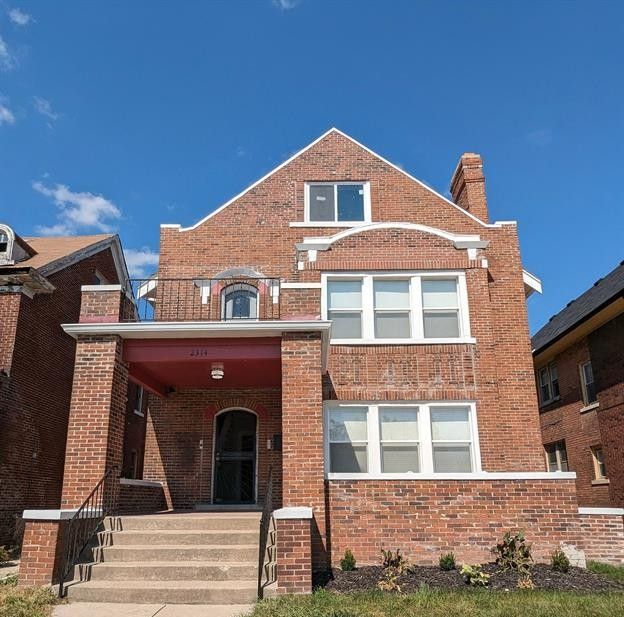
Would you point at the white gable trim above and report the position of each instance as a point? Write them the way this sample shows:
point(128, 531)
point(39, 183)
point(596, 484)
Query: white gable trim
point(460, 241)
point(299, 153)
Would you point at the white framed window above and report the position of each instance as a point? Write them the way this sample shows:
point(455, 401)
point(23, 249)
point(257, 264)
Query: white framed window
point(587, 383)
point(239, 301)
point(389, 440)
point(337, 202)
point(138, 401)
point(556, 456)
point(600, 469)
point(396, 307)
point(548, 383)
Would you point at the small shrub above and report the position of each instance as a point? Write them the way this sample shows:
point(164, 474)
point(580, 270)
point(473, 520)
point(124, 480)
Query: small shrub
point(392, 560)
point(389, 580)
point(559, 561)
point(347, 563)
point(4, 554)
point(9, 581)
point(447, 562)
point(513, 552)
point(525, 582)
point(475, 576)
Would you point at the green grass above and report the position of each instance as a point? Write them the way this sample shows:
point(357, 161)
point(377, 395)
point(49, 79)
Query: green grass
point(25, 601)
point(437, 603)
point(614, 572)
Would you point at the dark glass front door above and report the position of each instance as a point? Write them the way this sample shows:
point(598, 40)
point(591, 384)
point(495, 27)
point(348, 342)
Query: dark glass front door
point(235, 458)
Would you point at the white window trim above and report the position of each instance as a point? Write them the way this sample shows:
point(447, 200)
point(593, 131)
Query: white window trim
point(557, 455)
point(416, 311)
point(424, 439)
point(551, 398)
point(598, 478)
point(139, 411)
point(336, 223)
point(587, 404)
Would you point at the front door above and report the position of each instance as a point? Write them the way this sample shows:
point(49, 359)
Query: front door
point(235, 457)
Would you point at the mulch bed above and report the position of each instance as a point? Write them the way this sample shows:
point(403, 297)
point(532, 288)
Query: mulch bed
point(366, 578)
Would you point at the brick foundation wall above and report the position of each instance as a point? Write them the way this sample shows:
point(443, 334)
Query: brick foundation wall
point(603, 537)
point(35, 396)
point(428, 518)
point(294, 556)
point(140, 499)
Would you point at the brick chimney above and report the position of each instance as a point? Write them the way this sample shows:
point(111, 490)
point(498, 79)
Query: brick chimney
point(468, 185)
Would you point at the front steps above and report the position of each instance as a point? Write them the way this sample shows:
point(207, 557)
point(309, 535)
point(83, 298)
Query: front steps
point(178, 558)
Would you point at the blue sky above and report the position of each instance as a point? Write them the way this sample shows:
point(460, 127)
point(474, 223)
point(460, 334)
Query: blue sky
point(133, 114)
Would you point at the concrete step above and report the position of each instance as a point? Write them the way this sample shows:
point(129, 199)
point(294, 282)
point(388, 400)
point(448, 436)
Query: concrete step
point(164, 552)
point(169, 592)
point(170, 571)
point(179, 537)
point(248, 521)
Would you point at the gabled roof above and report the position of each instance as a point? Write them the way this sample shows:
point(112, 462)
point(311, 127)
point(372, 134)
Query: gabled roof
point(305, 149)
point(601, 294)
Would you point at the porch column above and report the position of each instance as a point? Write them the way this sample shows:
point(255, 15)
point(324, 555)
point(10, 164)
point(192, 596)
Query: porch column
point(303, 482)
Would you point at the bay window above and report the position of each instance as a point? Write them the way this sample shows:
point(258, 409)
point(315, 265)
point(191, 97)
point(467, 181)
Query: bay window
point(397, 307)
point(400, 439)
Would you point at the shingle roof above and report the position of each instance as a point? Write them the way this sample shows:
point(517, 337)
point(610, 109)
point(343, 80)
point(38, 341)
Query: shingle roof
point(601, 293)
point(52, 248)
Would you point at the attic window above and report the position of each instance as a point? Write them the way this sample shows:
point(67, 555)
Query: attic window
point(340, 202)
point(6, 244)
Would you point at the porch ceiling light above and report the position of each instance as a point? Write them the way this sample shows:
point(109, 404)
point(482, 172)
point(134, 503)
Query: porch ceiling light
point(217, 371)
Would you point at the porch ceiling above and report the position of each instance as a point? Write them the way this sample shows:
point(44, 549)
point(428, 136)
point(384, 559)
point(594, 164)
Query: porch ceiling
point(159, 365)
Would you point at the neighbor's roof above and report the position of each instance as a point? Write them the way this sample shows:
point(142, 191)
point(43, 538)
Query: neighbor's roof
point(54, 248)
point(602, 293)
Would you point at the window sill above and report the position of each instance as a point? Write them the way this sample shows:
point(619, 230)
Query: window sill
point(473, 475)
point(468, 340)
point(139, 413)
point(590, 407)
point(600, 481)
point(550, 402)
point(329, 223)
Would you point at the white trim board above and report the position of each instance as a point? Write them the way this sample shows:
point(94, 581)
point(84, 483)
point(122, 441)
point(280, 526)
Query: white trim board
point(292, 513)
point(601, 511)
point(56, 515)
point(305, 149)
point(136, 482)
point(480, 475)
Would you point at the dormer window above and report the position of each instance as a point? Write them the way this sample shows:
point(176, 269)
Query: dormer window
point(6, 244)
point(339, 202)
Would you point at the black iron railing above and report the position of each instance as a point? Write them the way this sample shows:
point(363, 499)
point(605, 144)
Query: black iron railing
point(265, 529)
point(82, 527)
point(199, 299)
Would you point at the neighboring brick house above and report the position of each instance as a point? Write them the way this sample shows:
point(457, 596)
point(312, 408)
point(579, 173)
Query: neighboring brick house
point(40, 289)
point(579, 368)
point(343, 324)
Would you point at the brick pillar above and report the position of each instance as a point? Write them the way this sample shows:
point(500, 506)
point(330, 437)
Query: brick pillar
point(302, 433)
point(42, 548)
point(294, 550)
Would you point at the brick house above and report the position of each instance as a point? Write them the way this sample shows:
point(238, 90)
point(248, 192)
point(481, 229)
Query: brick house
point(346, 327)
point(579, 368)
point(40, 289)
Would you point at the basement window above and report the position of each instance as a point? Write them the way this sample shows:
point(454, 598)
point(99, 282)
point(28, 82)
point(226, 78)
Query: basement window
point(340, 202)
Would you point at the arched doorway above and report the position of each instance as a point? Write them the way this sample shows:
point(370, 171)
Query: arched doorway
point(235, 448)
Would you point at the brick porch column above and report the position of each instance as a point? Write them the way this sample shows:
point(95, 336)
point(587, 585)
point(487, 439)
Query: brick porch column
point(294, 550)
point(303, 483)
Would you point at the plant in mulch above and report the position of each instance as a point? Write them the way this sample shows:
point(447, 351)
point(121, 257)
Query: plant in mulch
point(5, 555)
point(475, 576)
point(525, 582)
point(389, 579)
point(513, 553)
point(391, 559)
point(447, 562)
point(347, 563)
point(559, 561)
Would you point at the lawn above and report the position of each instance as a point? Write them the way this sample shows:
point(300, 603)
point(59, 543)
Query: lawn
point(614, 572)
point(438, 603)
point(25, 601)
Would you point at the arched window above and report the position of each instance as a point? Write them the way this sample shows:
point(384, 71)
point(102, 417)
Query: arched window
point(239, 301)
point(6, 243)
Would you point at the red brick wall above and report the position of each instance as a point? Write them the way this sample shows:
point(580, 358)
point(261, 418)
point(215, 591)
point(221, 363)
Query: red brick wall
point(427, 518)
point(34, 399)
point(603, 537)
point(42, 552)
point(100, 306)
point(176, 425)
point(134, 433)
point(294, 556)
point(136, 499)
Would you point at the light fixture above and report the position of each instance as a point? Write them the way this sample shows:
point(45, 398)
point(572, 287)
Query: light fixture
point(217, 371)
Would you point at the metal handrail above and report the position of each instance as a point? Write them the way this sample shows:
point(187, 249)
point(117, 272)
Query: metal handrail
point(82, 527)
point(265, 521)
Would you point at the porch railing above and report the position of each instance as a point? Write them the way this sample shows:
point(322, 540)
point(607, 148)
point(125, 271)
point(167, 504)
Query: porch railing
point(84, 524)
point(199, 299)
point(266, 570)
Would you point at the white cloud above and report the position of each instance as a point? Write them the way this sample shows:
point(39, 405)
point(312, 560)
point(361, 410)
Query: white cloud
point(286, 5)
point(540, 137)
point(78, 211)
point(6, 115)
point(7, 61)
point(44, 107)
point(141, 262)
point(19, 17)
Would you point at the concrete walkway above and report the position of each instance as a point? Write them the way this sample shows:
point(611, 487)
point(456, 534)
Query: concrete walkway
point(101, 609)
